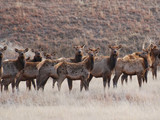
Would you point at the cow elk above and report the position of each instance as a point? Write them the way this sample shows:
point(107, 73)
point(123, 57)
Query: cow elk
point(138, 66)
point(11, 68)
point(104, 66)
point(76, 71)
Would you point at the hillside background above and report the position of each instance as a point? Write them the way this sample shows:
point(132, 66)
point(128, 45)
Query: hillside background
point(56, 25)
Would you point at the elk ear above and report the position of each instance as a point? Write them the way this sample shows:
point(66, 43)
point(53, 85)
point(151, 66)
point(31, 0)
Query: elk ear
point(137, 53)
point(83, 46)
point(75, 47)
point(53, 53)
point(98, 49)
point(90, 49)
point(26, 50)
point(5, 48)
point(109, 46)
point(28, 58)
point(45, 54)
point(16, 49)
point(32, 50)
point(120, 46)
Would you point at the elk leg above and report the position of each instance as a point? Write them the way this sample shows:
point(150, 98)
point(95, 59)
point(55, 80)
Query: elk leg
point(109, 79)
point(1, 85)
point(33, 83)
point(54, 81)
point(115, 79)
point(123, 77)
point(44, 82)
point(17, 83)
point(88, 81)
point(5, 87)
point(146, 79)
point(41, 80)
point(69, 84)
point(104, 81)
point(84, 82)
point(59, 82)
point(13, 85)
point(139, 80)
point(28, 84)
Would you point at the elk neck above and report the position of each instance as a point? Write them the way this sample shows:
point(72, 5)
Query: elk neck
point(78, 57)
point(20, 63)
point(112, 61)
point(89, 63)
point(0, 62)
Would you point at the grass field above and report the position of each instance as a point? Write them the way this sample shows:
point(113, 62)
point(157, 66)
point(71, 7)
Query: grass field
point(127, 102)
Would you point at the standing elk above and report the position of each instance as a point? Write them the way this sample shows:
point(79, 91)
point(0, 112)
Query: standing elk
point(37, 58)
point(47, 66)
point(11, 68)
point(138, 66)
point(49, 56)
point(1, 62)
point(155, 57)
point(76, 71)
point(104, 66)
point(78, 58)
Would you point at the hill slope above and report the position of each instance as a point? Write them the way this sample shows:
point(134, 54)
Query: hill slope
point(56, 25)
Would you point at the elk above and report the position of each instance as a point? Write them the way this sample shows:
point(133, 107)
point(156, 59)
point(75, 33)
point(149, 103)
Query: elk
point(11, 68)
point(49, 56)
point(134, 55)
point(48, 64)
point(94, 51)
point(78, 58)
point(37, 58)
point(1, 62)
point(104, 66)
point(75, 71)
point(138, 66)
point(47, 68)
point(155, 57)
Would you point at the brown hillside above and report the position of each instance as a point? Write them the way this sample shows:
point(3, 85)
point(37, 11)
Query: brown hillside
point(56, 25)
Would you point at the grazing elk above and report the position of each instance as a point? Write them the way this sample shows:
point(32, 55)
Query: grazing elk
point(37, 58)
point(138, 66)
point(104, 65)
point(11, 68)
point(76, 71)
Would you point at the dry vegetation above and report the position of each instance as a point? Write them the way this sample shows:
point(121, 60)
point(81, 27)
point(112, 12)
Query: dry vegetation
point(57, 24)
point(54, 25)
point(127, 102)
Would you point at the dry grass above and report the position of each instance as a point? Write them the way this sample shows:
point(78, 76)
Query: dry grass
point(127, 102)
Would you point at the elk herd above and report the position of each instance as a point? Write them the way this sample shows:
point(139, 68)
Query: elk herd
point(81, 67)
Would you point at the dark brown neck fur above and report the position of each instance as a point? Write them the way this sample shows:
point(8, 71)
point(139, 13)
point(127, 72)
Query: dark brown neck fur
point(112, 61)
point(36, 59)
point(20, 63)
point(0, 62)
point(89, 63)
